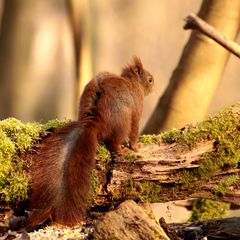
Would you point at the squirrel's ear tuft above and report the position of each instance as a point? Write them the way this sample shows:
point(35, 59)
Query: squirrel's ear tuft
point(137, 65)
point(135, 68)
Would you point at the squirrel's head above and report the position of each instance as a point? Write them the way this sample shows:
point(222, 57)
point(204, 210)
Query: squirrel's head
point(136, 71)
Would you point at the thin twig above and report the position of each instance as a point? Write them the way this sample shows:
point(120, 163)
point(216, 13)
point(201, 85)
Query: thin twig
point(196, 23)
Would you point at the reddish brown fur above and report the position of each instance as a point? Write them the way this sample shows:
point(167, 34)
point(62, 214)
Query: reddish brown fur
point(110, 110)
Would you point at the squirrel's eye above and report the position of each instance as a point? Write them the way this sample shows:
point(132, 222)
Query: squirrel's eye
point(150, 80)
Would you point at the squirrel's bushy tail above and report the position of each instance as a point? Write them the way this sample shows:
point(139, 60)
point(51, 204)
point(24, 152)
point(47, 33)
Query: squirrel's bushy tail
point(61, 175)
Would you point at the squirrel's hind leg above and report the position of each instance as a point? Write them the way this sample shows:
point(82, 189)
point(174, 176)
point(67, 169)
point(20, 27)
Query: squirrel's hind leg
point(133, 135)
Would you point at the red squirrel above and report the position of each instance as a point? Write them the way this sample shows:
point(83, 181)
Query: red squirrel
point(110, 111)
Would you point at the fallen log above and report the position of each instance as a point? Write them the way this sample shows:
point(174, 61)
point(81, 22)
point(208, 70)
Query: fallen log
point(199, 160)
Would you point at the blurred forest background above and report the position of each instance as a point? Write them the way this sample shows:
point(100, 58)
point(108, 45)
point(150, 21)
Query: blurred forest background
point(49, 49)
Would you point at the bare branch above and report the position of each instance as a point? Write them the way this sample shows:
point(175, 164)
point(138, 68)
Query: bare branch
point(196, 23)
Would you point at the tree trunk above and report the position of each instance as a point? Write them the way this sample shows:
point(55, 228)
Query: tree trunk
point(196, 23)
point(82, 14)
point(199, 71)
point(37, 68)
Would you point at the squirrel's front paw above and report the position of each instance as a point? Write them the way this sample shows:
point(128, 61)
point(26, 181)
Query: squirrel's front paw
point(135, 147)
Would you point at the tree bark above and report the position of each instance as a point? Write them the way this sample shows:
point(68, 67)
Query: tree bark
point(158, 169)
point(199, 71)
point(195, 161)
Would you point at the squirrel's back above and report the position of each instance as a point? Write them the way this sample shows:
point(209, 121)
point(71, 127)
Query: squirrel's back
point(111, 102)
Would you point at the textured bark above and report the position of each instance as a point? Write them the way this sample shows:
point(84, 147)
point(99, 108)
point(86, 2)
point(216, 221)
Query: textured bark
point(199, 160)
point(161, 164)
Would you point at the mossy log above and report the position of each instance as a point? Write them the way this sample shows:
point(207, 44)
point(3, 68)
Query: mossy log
point(17, 145)
point(199, 160)
point(167, 172)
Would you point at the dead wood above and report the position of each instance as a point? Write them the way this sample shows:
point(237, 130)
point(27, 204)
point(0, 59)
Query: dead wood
point(199, 160)
point(128, 222)
point(163, 170)
point(196, 23)
point(227, 228)
point(168, 230)
point(131, 221)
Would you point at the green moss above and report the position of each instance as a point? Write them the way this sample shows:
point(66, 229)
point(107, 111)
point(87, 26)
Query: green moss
point(225, 184)
point(189, 179)
point(131, 157)
point(204, 209)
point(103, 156)
point(171, 136)
point(16, 139)
point(21, 135)
point(144, 191)
point(223, 130)
point(128, 190)
point(150, 139)
point(149, 191)
point(52, 125)
point(94, 184)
